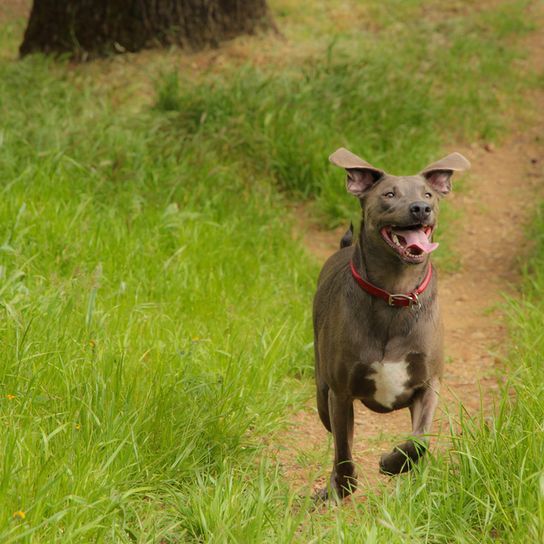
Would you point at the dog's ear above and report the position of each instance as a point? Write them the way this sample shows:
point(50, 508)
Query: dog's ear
point(361, 175)
point(438, 174)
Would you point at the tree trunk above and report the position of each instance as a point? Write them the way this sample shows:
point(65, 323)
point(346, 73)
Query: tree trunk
point(85, 28)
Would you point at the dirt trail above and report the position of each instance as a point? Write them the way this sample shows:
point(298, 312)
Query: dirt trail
point(497, 203)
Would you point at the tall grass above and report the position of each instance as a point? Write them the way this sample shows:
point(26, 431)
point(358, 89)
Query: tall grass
point(396, 97)
point(155, 306)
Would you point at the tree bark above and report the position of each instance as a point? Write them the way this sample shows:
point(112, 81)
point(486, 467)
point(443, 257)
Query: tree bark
point(87, 28)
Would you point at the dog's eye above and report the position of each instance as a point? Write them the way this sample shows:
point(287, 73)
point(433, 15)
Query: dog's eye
point(428, 195)
point(389, 194)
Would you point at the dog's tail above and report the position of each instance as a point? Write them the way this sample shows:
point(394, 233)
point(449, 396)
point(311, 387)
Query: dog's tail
point(347, 239)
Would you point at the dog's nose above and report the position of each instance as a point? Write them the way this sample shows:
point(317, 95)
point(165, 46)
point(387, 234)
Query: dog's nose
point(420, 210)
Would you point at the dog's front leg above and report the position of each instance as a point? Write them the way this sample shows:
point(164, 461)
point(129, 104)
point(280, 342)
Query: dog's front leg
point(403, 457)
point(344, 477)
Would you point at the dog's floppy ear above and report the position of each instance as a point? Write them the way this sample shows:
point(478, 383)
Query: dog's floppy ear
point(361, 175)
point(438, 174)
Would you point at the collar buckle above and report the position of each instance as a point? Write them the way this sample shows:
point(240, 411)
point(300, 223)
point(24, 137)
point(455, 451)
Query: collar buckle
point(400, 299)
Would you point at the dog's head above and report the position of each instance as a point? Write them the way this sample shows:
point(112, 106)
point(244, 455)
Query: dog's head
point(400, 211)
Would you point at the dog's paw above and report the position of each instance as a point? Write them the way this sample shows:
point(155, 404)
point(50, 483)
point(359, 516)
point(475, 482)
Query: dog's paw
point(395, 462)
point(340, 487)
point(321, 496)
point(402, 458)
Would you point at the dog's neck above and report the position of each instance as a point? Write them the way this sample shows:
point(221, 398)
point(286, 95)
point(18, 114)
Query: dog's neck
point(383, 268)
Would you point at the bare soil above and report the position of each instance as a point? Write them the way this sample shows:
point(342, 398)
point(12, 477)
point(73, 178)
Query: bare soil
point(496, 207)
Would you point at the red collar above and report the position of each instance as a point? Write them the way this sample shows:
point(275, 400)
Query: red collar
point(397, 299)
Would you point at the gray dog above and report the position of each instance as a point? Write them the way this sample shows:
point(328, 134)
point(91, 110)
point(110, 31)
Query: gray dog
point(377, 326)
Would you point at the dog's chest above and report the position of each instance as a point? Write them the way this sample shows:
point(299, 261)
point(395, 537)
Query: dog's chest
point(387, 384)
point(391, 379)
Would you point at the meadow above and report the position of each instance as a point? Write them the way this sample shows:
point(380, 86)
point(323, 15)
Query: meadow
point(155, 328)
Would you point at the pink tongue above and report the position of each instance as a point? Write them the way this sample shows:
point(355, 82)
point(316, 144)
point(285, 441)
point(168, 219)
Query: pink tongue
point(417, 238)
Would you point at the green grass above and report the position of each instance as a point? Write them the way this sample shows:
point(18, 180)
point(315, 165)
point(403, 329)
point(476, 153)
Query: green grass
point(396, 98)
point(155, 325)
point(155, 311)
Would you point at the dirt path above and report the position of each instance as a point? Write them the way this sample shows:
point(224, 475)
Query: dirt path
point(497, 204)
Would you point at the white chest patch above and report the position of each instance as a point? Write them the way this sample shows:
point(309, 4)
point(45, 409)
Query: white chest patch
point(390, 378)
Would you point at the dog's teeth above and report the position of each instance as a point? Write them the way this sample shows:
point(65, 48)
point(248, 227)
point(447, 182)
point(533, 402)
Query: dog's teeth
point(395, 239)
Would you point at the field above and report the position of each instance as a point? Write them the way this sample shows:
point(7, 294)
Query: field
point(156, 282)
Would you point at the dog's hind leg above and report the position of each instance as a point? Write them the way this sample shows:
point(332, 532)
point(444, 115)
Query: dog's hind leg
point(322, 389)
point(403, 457)
point(343, 477)
point(323, 404)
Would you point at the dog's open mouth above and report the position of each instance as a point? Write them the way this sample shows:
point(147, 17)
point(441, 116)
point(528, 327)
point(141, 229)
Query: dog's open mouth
point(412, 243)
